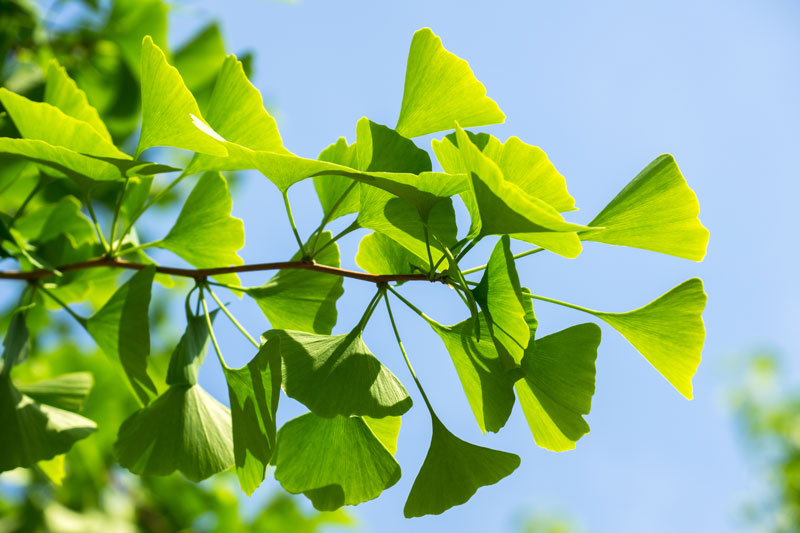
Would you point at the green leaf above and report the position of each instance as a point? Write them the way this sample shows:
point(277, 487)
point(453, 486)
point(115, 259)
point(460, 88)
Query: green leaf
point(453, 471)
point(184, 429)
point(668, 332)
point(379, 254)
point(382, 149)
point(503, 207)
point(62, 92)
point(43, 122)
point(499, 295)
point(333, 461)
point(170, 115)
point(489, 388)
point(34, 432)
point(122, 330)
point(656, 211)
point(254, 391)
point(338, 375)
point(189, 354)
point(130, 21)
point(331, 188)
point(440, 89)
point(64, 161)
point(387, 429)
point(303, 300)
point(51, 220)
point(68, 391)
point(236, 112)
point(200, 58)
point(206, 218)
point(16, 344)
point(53, 469)
point(558, 384)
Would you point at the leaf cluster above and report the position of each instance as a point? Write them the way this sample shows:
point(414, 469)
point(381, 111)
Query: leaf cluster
point(342, 452)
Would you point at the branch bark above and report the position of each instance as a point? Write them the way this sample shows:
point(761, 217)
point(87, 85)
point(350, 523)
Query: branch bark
point(200, 273)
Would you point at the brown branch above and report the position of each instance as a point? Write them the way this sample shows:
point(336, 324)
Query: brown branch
point(201, 273)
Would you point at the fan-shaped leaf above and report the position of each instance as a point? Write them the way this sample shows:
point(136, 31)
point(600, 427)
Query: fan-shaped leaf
point(68, 391)
point(378, 254)
point(189, 354)
point(170, 115)
point(184, 429)
point(122, 330)
point(62, 92)
point(16, 343)
point(330, 189)
point(453, 471)
point(333, 461)
point(387, 429)
point(656, 211)
point(558, 384)
point(63, 161)
point(303, 300)
point(51, 220)
point(440, 89)
point(206, 218)
point(254, 391)
point(338, 375)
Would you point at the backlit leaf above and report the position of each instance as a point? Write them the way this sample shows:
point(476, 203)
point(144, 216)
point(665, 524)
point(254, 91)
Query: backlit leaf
point(61, 91)
point(67, 391)
point(656, 211)
point(387, 429)
point(453, 471)
point(378, 254)
point(333, 461)
point(338, 375)
point(254, 391)
point(303, 300)
point(206, 218)
point(170, 115)
point(64, 161)
point(184, 429)
point(440, 89)
point(558, 384)
point(131, 20)
point(200, 58)
point(122, 330)
point(189, 354)
point(330, 189)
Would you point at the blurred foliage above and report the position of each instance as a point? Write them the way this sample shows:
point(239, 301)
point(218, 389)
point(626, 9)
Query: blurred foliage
point(83, 491)
point(768, 414)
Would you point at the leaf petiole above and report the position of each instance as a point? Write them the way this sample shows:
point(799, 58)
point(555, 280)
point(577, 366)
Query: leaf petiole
point(517, 256)
point(232, 318)
point(294, 226)
point(211, 331)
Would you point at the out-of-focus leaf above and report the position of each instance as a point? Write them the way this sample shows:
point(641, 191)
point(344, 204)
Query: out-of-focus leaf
point(333, 461)
point(67, 391)
point(441, 89)
point(338, 375)
point(201, 57)
point(129, 22)
point(54, 219)
point(303, 300)
point(16, 344)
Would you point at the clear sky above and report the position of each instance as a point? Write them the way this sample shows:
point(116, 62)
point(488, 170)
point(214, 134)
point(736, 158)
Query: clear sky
point(603, 88)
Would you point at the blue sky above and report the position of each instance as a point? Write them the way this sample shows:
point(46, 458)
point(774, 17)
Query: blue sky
point(603, 88)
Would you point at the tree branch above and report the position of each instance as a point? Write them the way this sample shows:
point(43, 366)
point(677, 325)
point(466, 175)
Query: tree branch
point(200, 273)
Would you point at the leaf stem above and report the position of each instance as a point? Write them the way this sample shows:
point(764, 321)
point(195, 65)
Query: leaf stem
point(559, 302)
point(428, 248)
point(211, 331)
point(153, 200)
point(518, 256)
point(115, 221)
point(368, 311)
point(327, 217)
point(294, 226)
point(410, 305)
point(405, 355)
point(25, 202)
point(73, 314)
point(233, 319)
point(349, 229)
point(95, 223)
point(467, 248)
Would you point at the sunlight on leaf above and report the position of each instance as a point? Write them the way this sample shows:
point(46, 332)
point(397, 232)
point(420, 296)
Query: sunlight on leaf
point(62, 92)
point(67, 391)
point(333, 461)
point(440, 89)
point(379, 254)
point(331, 188)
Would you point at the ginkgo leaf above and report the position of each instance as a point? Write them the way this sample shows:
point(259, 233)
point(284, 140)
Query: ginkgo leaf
point(67, 391)
point(189, 354)
point(62, 92)
point(60, 161)
point(16, 344)
point(504, 208)
point(170, 115)
point(333, 461)
point(382, 149)
point(303, 300)
point(199, 59)
point(62, 217)
point(130, 20)
point(254, 391)
point(335, 193)
point(236, 112)
point(122, 330)
point(44, 122)
point(487, 385)
point(338, 375)
point(206, 218)
point(656, 211)
point(379, 254)
point(453, 471)
point(498, 294)
point(34, 432)
point(387, 429)
point(184, 429)
point(440, 89)
point(558, 385)
point(54, 469)
point(668, 332)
